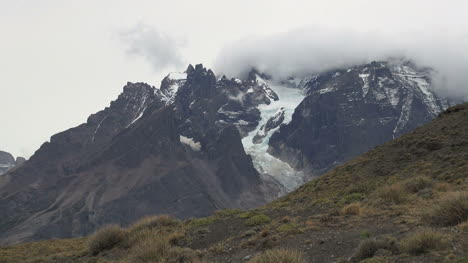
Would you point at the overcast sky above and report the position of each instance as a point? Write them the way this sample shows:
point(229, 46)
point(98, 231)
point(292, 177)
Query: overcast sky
point(61, 60)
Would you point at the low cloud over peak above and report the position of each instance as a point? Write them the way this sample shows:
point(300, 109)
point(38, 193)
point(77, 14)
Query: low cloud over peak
point(160, 50)
point(311, 50)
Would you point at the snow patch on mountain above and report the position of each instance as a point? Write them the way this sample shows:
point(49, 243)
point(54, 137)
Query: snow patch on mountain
point(196, 146)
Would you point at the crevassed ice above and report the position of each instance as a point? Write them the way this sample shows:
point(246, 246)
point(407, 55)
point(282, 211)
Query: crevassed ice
point(264, 162)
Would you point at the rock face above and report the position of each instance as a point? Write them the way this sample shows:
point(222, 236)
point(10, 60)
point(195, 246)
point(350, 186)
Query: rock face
point(7, 161)
point(175, 150)
point(272, 123)
point(347, 112)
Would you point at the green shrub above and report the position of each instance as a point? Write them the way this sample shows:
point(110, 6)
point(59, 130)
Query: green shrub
point(288, 228)
point(423, 242)
point(106, 238)
point(258, 220)
point(451, 211)
point(227, 212)
point(246, 215)
point(365, 234)
point(280, 256)
point(197, 222)
point(351, 198)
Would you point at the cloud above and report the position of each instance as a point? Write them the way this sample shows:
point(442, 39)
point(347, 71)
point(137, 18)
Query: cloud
point(311, 50)
point(157, 48)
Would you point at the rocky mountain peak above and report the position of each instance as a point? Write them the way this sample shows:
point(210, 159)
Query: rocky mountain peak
point(350, 110)
point(7, 161)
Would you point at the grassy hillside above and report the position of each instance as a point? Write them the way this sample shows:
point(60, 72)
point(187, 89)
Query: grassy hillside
point(405, 201)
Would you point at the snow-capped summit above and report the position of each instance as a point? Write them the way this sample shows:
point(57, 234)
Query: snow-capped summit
point(348, 111)
point(171, 84)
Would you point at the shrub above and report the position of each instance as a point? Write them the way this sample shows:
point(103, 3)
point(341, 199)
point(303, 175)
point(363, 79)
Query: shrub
point(279, 256)
point(451, 211)
point(106, 238)
point(155, 221)
point(418, 183)
point(288, 228)
point(227, 212)
point(352, 209)
point(246, 215)
point(175, 238)
point(150, 250)
point(354, 197)
point(197, 222)
point(423, 242)
point(365, 234)
point(258, 220)
point(368, 247)
point(463, 227)
point(393, 194)
point(158, 249)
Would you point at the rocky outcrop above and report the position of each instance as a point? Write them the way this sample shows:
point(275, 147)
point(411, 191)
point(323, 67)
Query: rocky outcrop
point(348, 111)
point(7, 161)
point(273, 122)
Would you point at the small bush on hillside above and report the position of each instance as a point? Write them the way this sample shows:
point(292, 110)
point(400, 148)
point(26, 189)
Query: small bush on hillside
point(106, 238)
point(289, 228)
point(395, 193)
point(423, 242)
point(352, 209)
point(227, 212)
point(155, 221)
point(463, 227)
point(246, 215)
point(197, 222)
point(351, 198)
point(281, 255)
point(258, 220)
point(158, 249)
point(368, 247)
point(451, 211)
point(418, 183)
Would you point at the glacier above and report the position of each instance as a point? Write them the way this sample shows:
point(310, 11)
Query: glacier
point(265, 163)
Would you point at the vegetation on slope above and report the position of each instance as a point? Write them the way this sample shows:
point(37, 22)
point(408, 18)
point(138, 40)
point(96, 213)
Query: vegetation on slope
point(404, 201)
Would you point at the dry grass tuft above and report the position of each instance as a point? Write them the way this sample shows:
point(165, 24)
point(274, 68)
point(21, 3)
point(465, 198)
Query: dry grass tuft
point(158, 249)
point(418, 183)
point(106, 238)
point(352, 209)
point(368, 247)
point(452, 210)
point(154, 221)
point(463, 226)
point(280, 255)
point(423, 242)
point(395, 193)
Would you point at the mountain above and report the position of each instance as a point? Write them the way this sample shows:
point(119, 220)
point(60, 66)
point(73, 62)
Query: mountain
point(174, 150)
point(201, 143)
point(349, 111)
point(403, 201)
point(7, 161)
